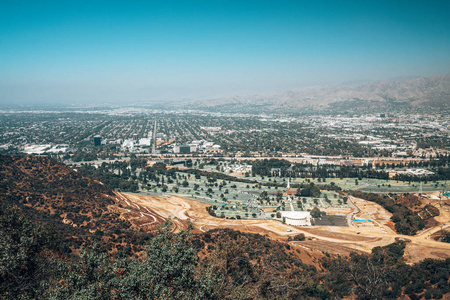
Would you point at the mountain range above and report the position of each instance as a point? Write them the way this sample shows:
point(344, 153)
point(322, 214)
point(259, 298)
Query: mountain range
point(424, 92)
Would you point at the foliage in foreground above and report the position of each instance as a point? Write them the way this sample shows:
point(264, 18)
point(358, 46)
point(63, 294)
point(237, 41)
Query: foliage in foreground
point(216, 265)
point(23, 258)
point(238, 266)
point(168, 272)
point(384, 275)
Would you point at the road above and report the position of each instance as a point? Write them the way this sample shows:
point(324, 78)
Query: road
point(355, 210)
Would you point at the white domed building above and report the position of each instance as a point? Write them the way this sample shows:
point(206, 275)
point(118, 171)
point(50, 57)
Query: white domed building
point(297, 218)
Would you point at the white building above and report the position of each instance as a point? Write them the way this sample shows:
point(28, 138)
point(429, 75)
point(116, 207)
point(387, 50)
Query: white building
point(297, 218)
point(194, 147)
point(207, 145)
point(145, 142)
point(46, 148)
point(128, 144)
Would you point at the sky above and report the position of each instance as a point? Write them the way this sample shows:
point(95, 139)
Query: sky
point(137, 51)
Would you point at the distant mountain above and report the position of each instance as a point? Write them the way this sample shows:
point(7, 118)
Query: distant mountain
point(418, 92)
point(426, 91)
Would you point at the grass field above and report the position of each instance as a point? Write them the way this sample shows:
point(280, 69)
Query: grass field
point(233, 199)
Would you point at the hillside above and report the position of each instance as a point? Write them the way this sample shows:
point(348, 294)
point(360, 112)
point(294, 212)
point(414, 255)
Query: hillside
point(423, 92)
point(75, 210)
point(78, 209)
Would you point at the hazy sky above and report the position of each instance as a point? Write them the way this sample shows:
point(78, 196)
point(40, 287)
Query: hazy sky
point(124, 51)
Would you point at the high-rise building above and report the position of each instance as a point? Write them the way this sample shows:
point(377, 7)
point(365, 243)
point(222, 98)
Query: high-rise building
point(97, 140)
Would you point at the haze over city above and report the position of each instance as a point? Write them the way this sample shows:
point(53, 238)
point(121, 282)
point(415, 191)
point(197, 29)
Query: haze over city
point(125, 52)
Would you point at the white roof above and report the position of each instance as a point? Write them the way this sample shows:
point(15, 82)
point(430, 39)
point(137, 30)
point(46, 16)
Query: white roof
point(296, 214)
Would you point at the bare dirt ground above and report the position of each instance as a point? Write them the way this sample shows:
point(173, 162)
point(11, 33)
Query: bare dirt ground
point(358, 236)
point(336, 211)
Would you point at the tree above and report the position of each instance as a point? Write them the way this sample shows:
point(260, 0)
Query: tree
point(369, 280)
point(299, 237)
point(167, 272)
point(445, 237)
point(315, 212)
point(311, 190)
point(279, 196)
point(22, 265)
point(263, 195)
